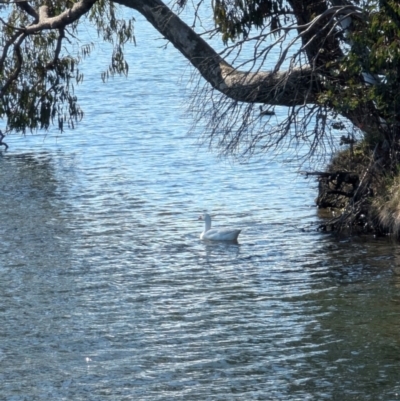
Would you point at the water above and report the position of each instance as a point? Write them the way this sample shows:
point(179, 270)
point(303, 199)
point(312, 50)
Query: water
point(108, 294)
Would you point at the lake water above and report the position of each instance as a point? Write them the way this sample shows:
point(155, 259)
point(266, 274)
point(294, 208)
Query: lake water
point(107, 293)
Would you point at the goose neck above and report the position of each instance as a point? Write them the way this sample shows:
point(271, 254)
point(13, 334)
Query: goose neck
point(207, 220)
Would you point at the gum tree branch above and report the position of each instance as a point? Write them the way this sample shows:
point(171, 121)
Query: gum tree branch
point(57, 51)
point(62, 20)
point(42, 21)
point(25, 6)
point(285, 88)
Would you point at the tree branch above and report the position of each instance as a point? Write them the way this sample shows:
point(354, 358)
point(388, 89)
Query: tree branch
point(25, 6)
point(57, 51)
point(288, 88)
point(62, 20)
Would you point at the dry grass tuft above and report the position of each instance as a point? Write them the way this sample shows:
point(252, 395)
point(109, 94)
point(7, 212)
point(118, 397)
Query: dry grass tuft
point(386, 205)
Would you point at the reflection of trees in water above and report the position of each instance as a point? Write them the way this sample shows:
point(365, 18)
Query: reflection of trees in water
point(355, 329)
point(36, 293)
point(33, 229)
point(340, 260)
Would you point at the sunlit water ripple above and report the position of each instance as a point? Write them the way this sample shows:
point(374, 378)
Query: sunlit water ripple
point(107, 293)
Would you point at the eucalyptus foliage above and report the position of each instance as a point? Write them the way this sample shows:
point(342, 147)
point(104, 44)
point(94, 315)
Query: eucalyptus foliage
point(341, 58)
point(41, 52)
point(236, 19)
point(374, 54)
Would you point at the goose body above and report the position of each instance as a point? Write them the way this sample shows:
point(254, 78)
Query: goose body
point(214, 234)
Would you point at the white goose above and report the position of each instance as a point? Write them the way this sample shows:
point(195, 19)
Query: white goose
point(214, 234)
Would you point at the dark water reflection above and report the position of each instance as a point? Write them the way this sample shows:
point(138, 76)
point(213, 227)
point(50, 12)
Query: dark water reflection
point(33, 228)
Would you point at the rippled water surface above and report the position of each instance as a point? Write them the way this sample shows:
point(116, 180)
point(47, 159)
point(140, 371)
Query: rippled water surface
point(106, 292)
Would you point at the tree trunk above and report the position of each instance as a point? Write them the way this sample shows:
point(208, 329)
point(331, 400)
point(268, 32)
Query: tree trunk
point(323, 50)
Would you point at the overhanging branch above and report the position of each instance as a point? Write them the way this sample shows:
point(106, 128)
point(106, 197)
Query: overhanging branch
point(62, 20)
point(288, 88)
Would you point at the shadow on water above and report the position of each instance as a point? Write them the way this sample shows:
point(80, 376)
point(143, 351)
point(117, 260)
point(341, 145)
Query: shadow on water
point(35, 289)
point(33, 230)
